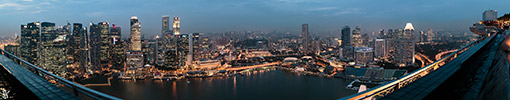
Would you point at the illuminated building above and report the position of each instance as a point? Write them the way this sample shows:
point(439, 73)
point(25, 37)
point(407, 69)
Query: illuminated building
point(404, 47)
point(306, 39)
point(94, 43)
point(363, 55)
point(160, 50)
point(149, 51)
point(356, 37)
point(183, 49)
point(165, 27)
point(134, 56)
point(177, 26)
point(104, 44)
point(380, 48)
point(30, 39)
point(53, 55)
point(135, 39)
point(13, 49)
point(80, 46)
point(116, 48)
point(195, 46)
point(171, 60)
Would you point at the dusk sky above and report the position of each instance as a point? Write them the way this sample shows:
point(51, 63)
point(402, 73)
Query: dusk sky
point(206, 16)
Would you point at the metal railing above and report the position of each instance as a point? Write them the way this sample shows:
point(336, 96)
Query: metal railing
point(388, 88)
point(77, 90)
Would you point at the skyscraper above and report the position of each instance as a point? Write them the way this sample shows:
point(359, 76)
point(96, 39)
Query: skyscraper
point(356, 37)
point(135, 39)
point(380, 48)
point(53, 49)
point(306, 39)
point(196, 46)
point(104, 44)
point(346, 36)
point(80, 46)
point(165, 27)
point(116, 48)
point(29, 42)
point(94, 43)
point(183, 49)
point(134, 56)
point(489, 15)
point(177, 26)
point(404, 47)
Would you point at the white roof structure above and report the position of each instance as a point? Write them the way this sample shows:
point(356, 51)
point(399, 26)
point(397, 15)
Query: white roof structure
point(409, 26)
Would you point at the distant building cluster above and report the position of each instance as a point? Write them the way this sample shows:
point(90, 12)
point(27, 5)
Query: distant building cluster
point(76, 49)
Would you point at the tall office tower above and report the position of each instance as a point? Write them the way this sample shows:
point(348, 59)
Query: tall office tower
point(94, 44)
point(30, 39)
point(160, 51)
point(116, 48)
point(306, 39)
point(48, 33)
point(404, 48)
point(171, 60)
point(182, 50)
point(165, 27)
point(430, 35)
point(363, 55)
point(490, 15)
point(79, 46)
point(177, 26)
point(356, 37)
point(196, 46)
point(380, 48)
point(135, 44)
point(346, 36)
point(149, 50)
point(104, 44)
point(53, 56)
point(134, 56)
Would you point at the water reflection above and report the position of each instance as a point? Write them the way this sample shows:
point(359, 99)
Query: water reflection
point(262, 84)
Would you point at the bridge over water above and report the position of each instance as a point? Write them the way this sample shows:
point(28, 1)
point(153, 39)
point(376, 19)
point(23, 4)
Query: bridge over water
point(478, 70)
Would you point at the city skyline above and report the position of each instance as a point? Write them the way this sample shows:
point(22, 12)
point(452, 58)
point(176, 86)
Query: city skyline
point(267, 16)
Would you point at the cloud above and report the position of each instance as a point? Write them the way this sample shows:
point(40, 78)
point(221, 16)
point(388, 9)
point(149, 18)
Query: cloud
point(15, 6)
point(24, 6)
point(345, 11)
point(323, 8)
point(37, 11)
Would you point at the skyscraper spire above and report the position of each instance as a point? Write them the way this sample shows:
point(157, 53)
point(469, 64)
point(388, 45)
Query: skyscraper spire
point(409, 26)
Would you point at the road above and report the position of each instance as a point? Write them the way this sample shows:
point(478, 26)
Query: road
point(254, 66)
point(440, 55)
point(424, 59)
